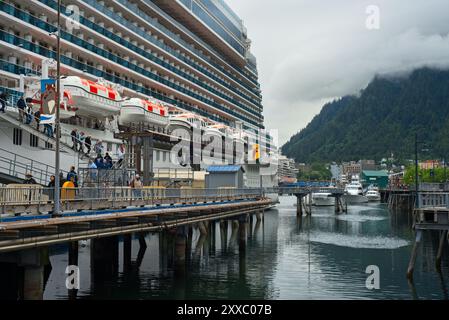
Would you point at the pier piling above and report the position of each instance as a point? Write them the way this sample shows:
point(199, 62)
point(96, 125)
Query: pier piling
point(443, 236)
point(127, 249)
point(411, 265)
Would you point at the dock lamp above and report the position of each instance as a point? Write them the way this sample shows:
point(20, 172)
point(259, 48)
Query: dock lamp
point(57, 198)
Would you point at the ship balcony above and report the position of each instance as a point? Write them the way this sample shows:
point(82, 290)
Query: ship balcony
point(146, 34)
point(44, 52)
point(161, 60)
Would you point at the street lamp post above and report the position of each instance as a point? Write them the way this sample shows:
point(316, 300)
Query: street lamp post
point(57, 205)
point(416, 169)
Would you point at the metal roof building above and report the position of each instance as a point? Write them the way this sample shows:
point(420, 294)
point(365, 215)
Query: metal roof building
point(379, 178)
point(225, 177)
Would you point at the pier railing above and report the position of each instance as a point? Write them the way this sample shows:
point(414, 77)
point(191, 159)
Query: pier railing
point(433, 200)
point(21, 199)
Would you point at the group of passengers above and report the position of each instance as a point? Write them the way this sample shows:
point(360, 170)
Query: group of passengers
point(28, 116)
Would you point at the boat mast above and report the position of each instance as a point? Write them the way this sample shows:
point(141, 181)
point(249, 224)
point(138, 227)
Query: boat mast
point(57, 204)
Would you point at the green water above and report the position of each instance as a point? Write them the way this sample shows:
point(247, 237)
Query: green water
point(320, 257)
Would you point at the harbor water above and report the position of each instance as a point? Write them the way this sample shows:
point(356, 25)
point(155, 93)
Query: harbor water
point(324, 256)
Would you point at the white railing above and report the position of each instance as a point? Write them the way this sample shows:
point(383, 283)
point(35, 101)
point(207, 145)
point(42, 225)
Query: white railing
point(38, 195)
point(433, 200)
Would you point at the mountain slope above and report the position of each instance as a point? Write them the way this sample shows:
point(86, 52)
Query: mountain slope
point(383, 120)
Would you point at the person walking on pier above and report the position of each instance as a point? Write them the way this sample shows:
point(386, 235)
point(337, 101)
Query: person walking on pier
point(29, 179)
point(73, 176)
point(99, 162)
point(137, 186)
point(51, 188)
point(108, 161)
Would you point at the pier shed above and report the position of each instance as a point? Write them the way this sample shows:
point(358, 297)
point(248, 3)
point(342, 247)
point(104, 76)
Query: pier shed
point(379, 178)
point(224, 177)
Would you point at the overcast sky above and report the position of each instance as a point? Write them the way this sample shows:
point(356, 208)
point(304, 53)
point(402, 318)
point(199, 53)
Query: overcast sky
point(312, 51)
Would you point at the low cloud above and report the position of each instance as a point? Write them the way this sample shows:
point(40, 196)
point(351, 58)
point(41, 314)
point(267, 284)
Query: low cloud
point(311, 52)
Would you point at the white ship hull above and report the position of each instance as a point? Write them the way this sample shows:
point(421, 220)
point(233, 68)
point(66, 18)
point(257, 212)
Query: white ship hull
point(323, 201)
point(355, 199)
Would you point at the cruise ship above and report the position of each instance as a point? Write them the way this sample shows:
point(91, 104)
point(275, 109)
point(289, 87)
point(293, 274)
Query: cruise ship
point(157, 65)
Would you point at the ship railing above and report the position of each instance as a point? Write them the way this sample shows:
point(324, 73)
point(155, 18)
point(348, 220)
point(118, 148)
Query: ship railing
point(66, 137)
point(27, 195)
point(18, 166)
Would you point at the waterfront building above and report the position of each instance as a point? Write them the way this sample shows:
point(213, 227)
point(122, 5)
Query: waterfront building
point(430, 164)
point(352, 168)
point(368, 165)
point(287, 170)
point(378, 178)
point(336, 171)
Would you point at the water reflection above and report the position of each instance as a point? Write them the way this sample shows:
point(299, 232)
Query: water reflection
point(323, 256)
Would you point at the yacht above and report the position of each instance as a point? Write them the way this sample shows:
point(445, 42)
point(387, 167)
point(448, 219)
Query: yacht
point(354, 192)
point(323, 199)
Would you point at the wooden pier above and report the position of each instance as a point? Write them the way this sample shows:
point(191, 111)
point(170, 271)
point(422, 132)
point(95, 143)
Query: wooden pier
point(431, 214)
point(304, 198)
point(104, 216)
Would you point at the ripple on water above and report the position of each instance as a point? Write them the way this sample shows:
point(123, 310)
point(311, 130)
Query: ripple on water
point(360, 218)
point(358, 242)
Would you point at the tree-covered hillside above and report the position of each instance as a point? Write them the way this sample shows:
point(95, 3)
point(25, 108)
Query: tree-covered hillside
point(381, 121)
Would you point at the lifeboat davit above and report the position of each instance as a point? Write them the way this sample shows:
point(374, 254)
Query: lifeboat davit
point(92, 99)
point(139, 110)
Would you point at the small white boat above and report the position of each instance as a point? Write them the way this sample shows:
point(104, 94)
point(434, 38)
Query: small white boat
point(323, 199)
point(139, 110)
point(373, 195)
point(92, 99)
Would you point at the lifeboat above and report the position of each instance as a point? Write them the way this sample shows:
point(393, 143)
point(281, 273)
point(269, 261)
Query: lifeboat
point(187, 121)
point(218, 129)
point(139, 110)
point(92, 99)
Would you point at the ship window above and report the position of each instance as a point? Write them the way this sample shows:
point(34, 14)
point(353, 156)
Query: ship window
point(164, 156)
point(17, 137)
point(48, 145)
point(34, 141)
point(109, 146)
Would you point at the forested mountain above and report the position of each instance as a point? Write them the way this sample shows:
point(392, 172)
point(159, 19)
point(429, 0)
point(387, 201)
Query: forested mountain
point(382, 120)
